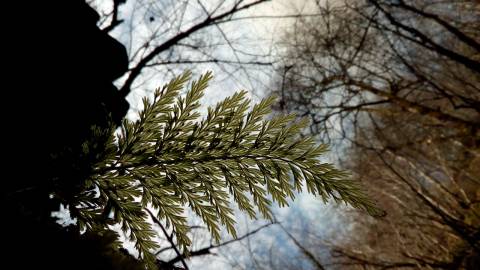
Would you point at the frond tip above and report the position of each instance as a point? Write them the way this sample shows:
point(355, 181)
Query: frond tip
point(169, 159)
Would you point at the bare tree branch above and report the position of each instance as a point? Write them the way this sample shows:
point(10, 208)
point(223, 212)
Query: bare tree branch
point(209, 21)
point(114, 21)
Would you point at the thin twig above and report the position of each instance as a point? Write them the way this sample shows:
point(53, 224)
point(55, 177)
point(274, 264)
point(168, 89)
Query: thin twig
point(206, 250)
point(169, 238)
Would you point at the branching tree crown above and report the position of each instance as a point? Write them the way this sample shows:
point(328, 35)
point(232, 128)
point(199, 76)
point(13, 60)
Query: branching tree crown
point(168, 160)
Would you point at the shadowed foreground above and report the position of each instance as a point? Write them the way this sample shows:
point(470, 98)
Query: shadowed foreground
point(60, 67)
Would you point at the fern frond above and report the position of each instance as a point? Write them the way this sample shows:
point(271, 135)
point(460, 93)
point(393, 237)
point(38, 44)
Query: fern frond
point(169, 159)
